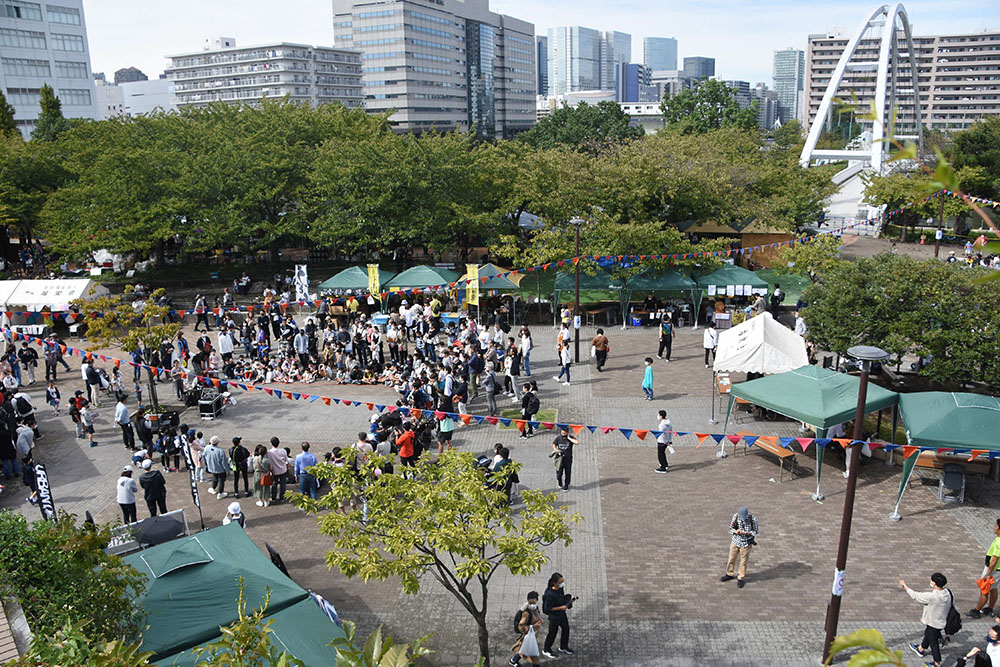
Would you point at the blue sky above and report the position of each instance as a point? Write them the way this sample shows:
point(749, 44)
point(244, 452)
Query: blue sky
point(740, 35)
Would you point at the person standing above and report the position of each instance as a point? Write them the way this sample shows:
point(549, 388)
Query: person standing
point(528, 623)
point(490, 387)
point(601, 347)
point(526, 345)
point(666, 338)
point(279, 469)
point(989, 572)
point(562, 446)
point(154, 488)
point(529, 408)
point(217, 463)
point(234, 514)
point(777, 296)
point(124, 421)
point(239, 456)
point(306, 480)
point(52, 356)
point(260, 465)
point(743, 533)
point(127, 488)
point(52, 397)
point(710, 340)
point(663, 441)
point(555, 604)
point(29, 361)
point(647, 379)
point(201, 312)
point(937, 603)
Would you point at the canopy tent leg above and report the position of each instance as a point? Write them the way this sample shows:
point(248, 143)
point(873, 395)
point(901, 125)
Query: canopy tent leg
point(908, 464)
point(721, 454)
point(890, 459)
point(696, 307)
point(818, 496)
point(555, 309)
point(715, 388)
point(625, 298)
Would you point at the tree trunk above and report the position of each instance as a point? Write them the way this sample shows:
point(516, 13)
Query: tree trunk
point(484, 638)
point(152, 390)
point(160, 252)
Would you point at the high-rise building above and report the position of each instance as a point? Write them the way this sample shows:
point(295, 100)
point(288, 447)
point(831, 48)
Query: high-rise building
point(698, 67)
point(767, 107)
point(659, 53)
point(635, 79)
point(129, 74)
point(958, 77)
point(542, 64)
point(668, 82)
point(443, 64)
point(789, 81)
point(742, 90)
point(306, 74)
point(587, 59)
point(616, 52)
point(42, 44)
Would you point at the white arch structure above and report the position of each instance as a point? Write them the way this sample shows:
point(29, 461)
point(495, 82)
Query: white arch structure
point(885, 16)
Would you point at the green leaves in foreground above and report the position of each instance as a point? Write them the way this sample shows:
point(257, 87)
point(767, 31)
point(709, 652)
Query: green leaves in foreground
point(378, 651)
point(874, 653)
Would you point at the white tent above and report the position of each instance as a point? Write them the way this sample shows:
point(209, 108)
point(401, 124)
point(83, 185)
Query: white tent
point(7, 288)
point(35, 295)
point(760, 345)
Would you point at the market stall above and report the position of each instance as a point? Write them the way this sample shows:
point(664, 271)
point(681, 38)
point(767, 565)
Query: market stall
point(732, 288)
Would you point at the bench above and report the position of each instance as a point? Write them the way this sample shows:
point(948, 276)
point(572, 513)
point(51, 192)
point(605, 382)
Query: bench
point(776, 449)
point(938, 461)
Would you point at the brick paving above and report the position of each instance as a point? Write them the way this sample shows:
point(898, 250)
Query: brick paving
point(646, 560)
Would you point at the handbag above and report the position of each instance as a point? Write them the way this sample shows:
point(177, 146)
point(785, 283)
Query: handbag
point(529, 645)
point(267, 479)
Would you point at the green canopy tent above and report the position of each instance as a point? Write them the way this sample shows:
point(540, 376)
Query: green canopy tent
point(423, 276)
point(601, 280)
point(192, 589)
point(671, 280)
point(728, 274)
point(353, 278)
point(494, 281)
point(946, 420)
point(817, 396)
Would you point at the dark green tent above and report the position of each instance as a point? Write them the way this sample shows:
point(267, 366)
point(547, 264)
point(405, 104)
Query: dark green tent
point(423, 276)
point(601, 280)
point(494, 281)
point(354, 278)
point(670, 280)
point(728, 274)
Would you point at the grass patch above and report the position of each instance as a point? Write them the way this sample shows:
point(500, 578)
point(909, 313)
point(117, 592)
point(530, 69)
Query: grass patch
point(548, 415)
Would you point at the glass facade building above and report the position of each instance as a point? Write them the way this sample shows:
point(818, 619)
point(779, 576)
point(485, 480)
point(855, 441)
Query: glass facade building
point(789, 80)
point(659, 53)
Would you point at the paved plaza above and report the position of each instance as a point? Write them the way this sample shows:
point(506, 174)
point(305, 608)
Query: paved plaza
point(647, 558)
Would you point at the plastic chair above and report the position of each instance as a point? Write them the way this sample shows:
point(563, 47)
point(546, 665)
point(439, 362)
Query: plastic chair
point(951, 488)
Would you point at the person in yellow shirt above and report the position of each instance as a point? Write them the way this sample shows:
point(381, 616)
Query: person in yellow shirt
point(992, 565)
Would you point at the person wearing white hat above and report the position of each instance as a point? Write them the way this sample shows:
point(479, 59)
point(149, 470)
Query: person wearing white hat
point(127, 488)
point(235, 513)
point(154, 488)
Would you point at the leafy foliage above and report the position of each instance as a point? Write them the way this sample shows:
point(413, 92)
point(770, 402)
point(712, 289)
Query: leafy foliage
point(8, 128)
point(587, 128)
point(977, 150)
point(50, 122)
point(814, 258)
point(378, 651)
point(440, 519)
point(73, 646)
point(708, 106)
point(873, 649)
point(60, 574)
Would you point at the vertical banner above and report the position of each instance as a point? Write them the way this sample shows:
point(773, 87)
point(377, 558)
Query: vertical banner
point(45, 502)
point(190, 466)
point(374, 288)
point(472, 290)
point(301, 282)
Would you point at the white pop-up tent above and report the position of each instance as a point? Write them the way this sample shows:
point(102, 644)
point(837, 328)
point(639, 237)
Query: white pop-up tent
point(760, 345)
point(54, 295)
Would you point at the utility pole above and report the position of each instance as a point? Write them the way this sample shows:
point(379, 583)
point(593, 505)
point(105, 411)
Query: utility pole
point(940, 232)
point(576, 308)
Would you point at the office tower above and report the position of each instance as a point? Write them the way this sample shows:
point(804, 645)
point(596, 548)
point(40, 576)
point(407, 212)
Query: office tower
point(587, 59)
point(43, 43)
point(789, 79)
point(307, 74)
point(542, 64)
point(767, 107)
point(446, 64)
point(958, 76)
point(667, 82)
point(659, 53)
point(636, 81)
point(699, 67)
point(616, 51)
point(742, 89)
point(129, 74)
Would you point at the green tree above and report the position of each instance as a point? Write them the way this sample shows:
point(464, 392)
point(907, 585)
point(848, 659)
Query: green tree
point(29, 173)
point(377, 651)
point(873, 650)
point(440, 519)
point(61, 574)
point(979, 147)
point(709, 105)
point(50, 122)
point(788, 136)
point(813, 258)
point(901, 188)
point(586, 128)
point(8, 128)
point(72, 645)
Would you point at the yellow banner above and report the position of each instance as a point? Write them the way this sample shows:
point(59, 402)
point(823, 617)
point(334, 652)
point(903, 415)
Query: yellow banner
point(472, 289)
point(373, 284)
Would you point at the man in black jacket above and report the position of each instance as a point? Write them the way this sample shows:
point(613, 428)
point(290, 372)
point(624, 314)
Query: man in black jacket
point(239, 455)
point(555, 603)
point(154, 488)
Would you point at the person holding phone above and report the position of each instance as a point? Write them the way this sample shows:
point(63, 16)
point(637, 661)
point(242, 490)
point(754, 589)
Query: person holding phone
point(743, 534)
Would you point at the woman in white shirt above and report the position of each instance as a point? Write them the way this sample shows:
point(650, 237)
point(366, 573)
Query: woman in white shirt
point(526, 346)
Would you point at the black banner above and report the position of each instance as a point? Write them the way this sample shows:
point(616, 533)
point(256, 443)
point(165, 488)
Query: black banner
point(190, 467)
point(45, 502)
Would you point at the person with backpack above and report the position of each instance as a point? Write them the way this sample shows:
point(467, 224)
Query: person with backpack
point(239, 456)
point(527, 623)
point(154, 488)
point(743, 537)
point(666, 338)
point(937, 604)
point(26, 412)
point(777, 296)
point(529, 408)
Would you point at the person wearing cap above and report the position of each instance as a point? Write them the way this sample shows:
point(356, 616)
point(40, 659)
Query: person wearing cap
point(154, 488)
point(127, 488)
point(240, 455)
point(234, 514)
point(743, 533)
point(217, 463)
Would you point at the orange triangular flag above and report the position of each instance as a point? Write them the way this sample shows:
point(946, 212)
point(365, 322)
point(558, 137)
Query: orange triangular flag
point(640, 433)
point(576, 429)
point(977, 452)
point(701, 438)
point(326, 400)
point(466, 419)
point(843, 442)
point(519, 423)
point(250, 388)
point(908, 451)
point(370, 406)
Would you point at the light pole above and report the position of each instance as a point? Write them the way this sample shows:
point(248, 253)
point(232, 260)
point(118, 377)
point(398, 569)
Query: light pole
point(940, 230)
point(577, 222)
point(865, 355)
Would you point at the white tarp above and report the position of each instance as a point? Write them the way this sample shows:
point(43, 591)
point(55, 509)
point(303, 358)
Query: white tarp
point(7, 288)
point(760, 345)
point(34, 295)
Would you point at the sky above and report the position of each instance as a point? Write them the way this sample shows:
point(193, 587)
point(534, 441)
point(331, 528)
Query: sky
point(741, 35)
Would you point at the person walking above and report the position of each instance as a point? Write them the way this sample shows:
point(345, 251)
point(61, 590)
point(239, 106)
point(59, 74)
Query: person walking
point(239, 456)
point(217, 463)
point(564, 362)
point(663, 441)
point(666, 337)
point(490, 387)
point(154, 488)
point(201, 312)
point(279, 469)
point(52, 356)
point(124, 421)
point(260, 465)
point(710, 341)
point(528, 622)
point(937, 603)
point(988, 587)
point(52, 397)
point(127, 488)
point(743, 533)
point(526, 346)
point(562, 448)
point(555, 604)
point(29, 361)
point(601, 347)
point(306, 480)
point(647, 379)
point(529, 408)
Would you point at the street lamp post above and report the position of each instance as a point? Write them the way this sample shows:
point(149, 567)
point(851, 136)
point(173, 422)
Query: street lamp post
point(577, 222)
point(866, 356)
point(940, 230)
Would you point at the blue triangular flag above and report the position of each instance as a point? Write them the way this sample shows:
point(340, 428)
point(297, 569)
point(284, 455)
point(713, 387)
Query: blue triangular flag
point(313, 399)
point(479, 418)
point(786, 442)
point(750, 439)
point(591, 428)
point(718, 437)
point(296, 396)
point(823, 442)
point(279, 393)
point(380, 408)
point(627, 432)
point(505, 421)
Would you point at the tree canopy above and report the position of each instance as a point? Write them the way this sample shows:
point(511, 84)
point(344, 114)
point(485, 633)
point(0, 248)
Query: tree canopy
point(50, 122)
point(8, 128)
point(584, 127)
point(709, 105)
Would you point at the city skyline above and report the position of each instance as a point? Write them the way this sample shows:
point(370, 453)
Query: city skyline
point(741, 36)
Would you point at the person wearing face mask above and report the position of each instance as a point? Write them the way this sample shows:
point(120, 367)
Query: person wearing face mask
point(991, 656)
point(555, 603)
point(937, 602)
point(527, 622)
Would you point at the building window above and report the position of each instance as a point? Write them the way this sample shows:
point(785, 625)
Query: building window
point(65, 15)
point(63, 42)
point(24, 97)
point(74, 97)
point(26, 67)
point(28, 11)
point(27, 39)
point(66, 69)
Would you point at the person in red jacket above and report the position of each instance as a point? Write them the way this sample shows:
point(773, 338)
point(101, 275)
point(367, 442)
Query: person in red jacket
point(404, 441)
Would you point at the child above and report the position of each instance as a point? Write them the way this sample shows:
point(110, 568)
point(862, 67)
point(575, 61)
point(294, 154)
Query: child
point(87, 418)
point(52, 398)
point(647, 379)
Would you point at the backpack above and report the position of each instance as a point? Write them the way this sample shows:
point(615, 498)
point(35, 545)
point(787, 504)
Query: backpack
point(533, 405)
point(23, 407)
point(517, 620)
point(954, 621)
